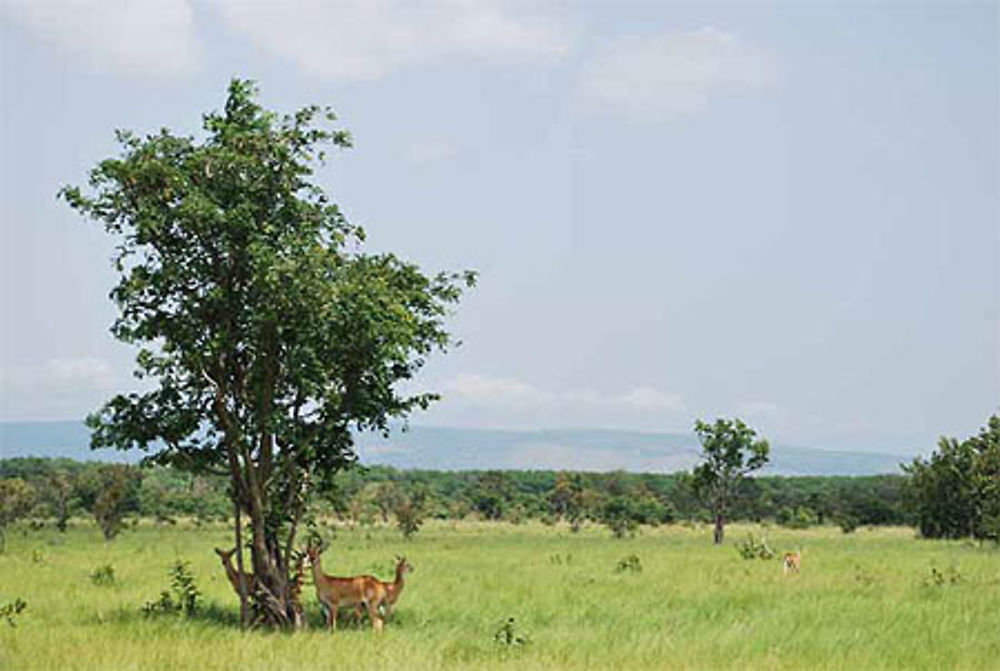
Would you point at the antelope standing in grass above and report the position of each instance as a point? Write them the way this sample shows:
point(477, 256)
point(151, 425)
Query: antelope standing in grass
point(395, 588)
point(791, 561)
point(392, 589)
point(334, 592)
point(234, 575)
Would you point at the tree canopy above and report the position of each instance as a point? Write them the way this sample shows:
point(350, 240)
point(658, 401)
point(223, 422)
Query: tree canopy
point(266, 335)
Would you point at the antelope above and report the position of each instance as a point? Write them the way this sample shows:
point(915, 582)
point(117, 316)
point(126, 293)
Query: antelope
point(234, 575)
point(395, 588)
point(334, 592)
point(392, 589)
point(790, 562)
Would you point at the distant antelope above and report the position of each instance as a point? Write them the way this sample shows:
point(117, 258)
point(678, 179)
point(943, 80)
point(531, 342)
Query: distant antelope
point(234, 575)
point(334, 592)
point(791, 562)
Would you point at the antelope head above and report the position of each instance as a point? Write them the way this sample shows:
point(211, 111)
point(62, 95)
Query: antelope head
point(314, 548)
point(224, 556)
point(402, 566)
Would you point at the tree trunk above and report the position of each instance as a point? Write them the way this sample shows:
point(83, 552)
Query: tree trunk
point(239, 563)
point(719, 529)
point(274, 601)
point(62, 514)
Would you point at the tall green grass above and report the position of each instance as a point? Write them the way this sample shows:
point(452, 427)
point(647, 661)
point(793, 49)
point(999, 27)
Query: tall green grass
point(869, 600)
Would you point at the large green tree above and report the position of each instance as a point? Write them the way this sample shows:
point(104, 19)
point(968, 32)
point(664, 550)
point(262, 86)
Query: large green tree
point(955, 493)
point(265, 335)
point(731, 451)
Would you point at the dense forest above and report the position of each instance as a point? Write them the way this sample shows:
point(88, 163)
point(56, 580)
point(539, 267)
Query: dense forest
point(54, 490)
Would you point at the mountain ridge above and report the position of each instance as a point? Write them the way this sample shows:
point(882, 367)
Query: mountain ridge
point(453, 448)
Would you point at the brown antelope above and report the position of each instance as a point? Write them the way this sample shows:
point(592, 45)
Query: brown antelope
point(334, 592)
point(791, 561)
point(234, 575)
point(392, 589)
point(395, 588)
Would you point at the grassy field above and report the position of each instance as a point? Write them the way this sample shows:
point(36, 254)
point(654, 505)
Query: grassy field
point(870, 600)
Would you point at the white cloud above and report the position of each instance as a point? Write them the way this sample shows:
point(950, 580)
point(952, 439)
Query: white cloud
point(368, 39)
point(430, 150)
point(58, 388)
point(762, 409)
point(132, 37)
point(652, 399)
point(90, 372)
point(669, 75)
point(479, 388)
point(509, 397)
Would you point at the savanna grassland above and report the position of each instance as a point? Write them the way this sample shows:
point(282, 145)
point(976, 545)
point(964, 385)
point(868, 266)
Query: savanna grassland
point(874, 599)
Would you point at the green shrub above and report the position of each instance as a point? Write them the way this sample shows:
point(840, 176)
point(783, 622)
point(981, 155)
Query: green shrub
point(10, 611)
point(184, 597)
point(620, 516)
point(507, 635)
point(631, 564)
point(848, 523)
point(103, 576)
point(801, 517)
point(942, 578)
point(751, 548)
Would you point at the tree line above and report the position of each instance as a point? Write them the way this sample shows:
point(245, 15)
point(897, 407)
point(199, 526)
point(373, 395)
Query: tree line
point(55, 490)
point(954, 493)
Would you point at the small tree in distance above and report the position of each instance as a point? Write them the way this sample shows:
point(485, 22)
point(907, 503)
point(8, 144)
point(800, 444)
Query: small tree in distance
point(60, 486)
point(409, 511)
point(731, 451)
point(117, 495)
point(16, 499)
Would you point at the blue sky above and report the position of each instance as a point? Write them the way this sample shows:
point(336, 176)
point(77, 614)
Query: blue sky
point(785, 211)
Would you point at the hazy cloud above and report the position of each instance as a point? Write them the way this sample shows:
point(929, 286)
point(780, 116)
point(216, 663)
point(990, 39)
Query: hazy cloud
point(651, 398)
point(368, 39)
point(56, 388)
point(132, 37)
point(760, 410)
point(663, 76)
point(511, 394)
point(87, 371)
point(430, 150)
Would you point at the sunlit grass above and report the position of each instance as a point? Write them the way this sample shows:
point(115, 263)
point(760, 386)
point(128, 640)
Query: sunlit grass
point(863, 601)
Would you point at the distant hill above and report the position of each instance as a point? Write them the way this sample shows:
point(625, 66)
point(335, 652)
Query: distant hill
point(70, 440)
point(442, 448)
